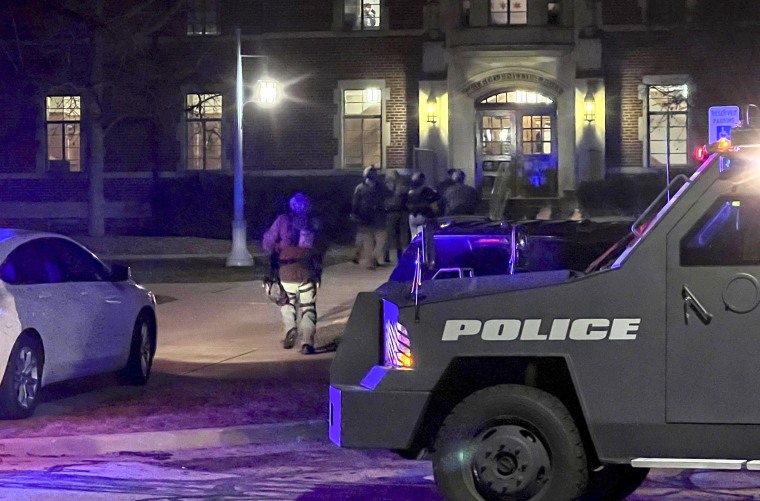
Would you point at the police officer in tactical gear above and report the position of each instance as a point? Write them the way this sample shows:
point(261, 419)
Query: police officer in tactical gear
point(421, 203)
point(368, 213)
point(294, 237)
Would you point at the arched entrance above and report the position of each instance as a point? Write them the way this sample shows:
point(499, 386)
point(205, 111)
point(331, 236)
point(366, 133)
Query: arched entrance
point(516, 148)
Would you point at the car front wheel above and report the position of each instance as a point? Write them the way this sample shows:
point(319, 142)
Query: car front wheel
point(19, 390)
point(141, 352)
point(510, 442)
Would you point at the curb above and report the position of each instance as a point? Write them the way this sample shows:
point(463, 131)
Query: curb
point(137, 257)
point(165, 441)
point(262, 257)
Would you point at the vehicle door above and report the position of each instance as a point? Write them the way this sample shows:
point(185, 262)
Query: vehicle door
point(46, 303)
point(110, 309)
point(713, 317)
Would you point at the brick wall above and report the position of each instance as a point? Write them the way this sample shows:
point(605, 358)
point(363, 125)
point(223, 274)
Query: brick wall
point(621, 12)
point(299, 132)
point(720, 77)
point(405, 14)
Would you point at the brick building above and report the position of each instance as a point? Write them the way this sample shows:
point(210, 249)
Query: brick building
point(666, 62)
point(120, 116)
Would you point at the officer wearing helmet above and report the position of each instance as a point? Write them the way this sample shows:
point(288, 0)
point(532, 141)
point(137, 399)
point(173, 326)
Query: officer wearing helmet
point(421, 202)
point(368, 212)
point(459, 198)
point(293, 237)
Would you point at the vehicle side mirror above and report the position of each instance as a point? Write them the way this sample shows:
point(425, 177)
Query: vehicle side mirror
point(120, 273)
point(518, 248)
point(428, 244)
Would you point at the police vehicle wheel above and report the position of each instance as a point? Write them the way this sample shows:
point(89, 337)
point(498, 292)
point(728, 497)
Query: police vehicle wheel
point(614, 482)
point(510, 442)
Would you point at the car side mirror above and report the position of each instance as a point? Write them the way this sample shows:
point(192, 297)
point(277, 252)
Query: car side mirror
point(428, 244)
point(120, 273)
point(518, 248)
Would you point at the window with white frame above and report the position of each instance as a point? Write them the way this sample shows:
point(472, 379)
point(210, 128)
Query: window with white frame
point(203, 117)
point(203, 17)
point(63, 116)
point(667, 124)
point(362, 14)
point(506, 12)
point(362, 128)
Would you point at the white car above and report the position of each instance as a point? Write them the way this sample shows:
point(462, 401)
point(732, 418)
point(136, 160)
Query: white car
point(63, 315)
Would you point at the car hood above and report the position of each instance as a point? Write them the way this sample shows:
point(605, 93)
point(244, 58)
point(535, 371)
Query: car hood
point(459, 288)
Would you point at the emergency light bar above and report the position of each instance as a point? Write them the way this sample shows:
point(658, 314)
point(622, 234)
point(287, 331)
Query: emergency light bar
point(721, 146)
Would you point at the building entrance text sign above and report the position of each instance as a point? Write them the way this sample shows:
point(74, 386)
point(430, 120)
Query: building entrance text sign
point(722, 118)
point(511, 76)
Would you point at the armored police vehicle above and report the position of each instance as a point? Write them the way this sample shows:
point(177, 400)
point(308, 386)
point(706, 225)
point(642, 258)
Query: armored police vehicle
point(556, 385)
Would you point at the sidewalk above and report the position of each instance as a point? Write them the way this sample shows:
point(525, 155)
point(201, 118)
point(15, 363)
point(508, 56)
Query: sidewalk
point(220, 375)
point(129, 247)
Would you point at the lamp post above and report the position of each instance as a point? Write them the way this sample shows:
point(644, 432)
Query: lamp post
point(239, 255)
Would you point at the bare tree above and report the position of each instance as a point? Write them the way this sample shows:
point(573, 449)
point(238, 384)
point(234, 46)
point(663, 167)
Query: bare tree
point(667, 121)
point(89, 47)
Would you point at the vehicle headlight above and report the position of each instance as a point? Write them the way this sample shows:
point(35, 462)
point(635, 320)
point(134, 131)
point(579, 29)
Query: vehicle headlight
point(397, 351)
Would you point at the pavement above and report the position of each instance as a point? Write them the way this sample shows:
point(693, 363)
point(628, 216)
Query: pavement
point(220, 375)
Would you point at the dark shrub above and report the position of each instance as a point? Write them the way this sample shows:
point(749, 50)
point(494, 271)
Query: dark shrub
point(626, 195)
point(201, 205)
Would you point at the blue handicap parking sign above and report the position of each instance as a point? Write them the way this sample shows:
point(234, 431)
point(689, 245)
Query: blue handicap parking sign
point(724, 131)
point(721, 119)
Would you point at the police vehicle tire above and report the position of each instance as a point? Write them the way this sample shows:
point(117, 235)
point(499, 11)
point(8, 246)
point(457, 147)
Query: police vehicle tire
point(614, 482)
point(510, 442)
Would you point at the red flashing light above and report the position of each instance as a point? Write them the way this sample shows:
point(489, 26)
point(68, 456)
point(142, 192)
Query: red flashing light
point(700, 153)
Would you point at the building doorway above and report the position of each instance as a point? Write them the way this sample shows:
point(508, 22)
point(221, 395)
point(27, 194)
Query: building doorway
point(516, 149)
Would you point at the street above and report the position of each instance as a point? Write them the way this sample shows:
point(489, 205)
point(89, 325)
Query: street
point(229, 414)
point(303, 471)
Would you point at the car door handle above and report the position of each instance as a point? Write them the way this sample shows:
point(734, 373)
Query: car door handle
point(44, 295)
point(113, 300)
point(690, 301)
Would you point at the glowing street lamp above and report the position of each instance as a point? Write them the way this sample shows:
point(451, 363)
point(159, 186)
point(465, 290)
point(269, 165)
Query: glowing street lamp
point(265, 92)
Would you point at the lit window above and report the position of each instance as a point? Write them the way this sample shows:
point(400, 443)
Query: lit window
point(361, 14)
point(517, 97)
point(667, 132)
point(203, 115)
point(537, 134)
point(64, 120)
point(496, 134)
point(504, 12)
point(362, 128)
point(203, 17)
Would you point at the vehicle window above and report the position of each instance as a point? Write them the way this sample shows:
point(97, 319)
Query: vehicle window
point(77, 264)
point(727, 235)
point(31, 263)
point(490, 256)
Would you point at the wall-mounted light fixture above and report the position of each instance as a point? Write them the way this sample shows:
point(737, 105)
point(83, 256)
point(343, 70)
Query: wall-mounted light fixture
point(432, 109)
point(589, 105)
